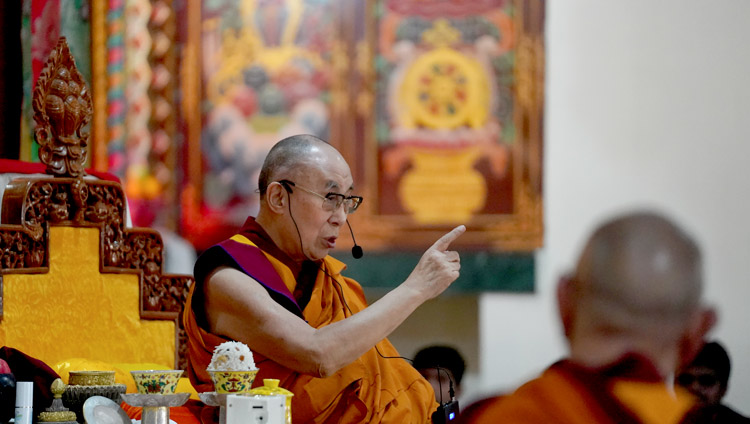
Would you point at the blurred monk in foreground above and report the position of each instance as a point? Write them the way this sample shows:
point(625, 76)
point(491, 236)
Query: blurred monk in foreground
point(632, 314)
point(274, 287)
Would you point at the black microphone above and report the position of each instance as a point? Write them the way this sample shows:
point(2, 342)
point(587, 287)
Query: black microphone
point(356, 250)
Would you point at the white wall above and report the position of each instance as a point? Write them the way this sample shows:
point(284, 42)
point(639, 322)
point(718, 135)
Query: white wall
point(648, 104)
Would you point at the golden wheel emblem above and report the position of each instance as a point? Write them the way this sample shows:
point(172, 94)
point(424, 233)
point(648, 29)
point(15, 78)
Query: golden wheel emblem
point(444, 89)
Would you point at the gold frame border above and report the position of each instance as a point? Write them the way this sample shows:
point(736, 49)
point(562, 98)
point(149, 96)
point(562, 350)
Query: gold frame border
point(99, 85)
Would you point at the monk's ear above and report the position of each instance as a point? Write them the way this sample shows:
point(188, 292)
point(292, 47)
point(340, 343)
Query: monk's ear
point(694, 338)
point(565, 303)
point(277, 198)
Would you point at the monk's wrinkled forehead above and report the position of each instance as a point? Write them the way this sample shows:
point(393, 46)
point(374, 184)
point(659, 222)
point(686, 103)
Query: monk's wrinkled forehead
point(299, 157)
point(325, 168)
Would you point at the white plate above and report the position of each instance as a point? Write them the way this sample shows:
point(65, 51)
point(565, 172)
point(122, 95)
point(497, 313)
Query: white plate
point(102, 410)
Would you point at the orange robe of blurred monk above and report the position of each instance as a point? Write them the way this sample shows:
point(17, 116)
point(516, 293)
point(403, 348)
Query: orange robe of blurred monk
point(371, 389)
point(627, 392)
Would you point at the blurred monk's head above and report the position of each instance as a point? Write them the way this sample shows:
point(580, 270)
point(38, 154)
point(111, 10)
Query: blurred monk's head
point(707, 376)
point(443, 367)
point(637, 288)
point(305, 190)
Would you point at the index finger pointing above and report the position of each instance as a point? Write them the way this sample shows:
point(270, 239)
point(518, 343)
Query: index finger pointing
point(443, 242)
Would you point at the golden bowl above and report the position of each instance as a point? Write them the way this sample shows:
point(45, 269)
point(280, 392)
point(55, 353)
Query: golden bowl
point(233, 381)
point(91, 378)
point(161, 382)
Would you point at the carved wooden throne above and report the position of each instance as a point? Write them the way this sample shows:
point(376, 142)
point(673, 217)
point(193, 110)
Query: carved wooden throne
point(74, 281)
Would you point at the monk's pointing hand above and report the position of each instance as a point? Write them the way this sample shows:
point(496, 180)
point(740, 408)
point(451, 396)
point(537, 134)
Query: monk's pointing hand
point(438, 267)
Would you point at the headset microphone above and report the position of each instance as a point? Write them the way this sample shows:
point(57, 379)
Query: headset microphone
point(356, 250)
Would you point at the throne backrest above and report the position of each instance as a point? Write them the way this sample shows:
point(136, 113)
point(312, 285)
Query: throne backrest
point(75, 282)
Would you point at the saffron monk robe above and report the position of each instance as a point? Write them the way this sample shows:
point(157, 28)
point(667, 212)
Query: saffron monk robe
point(274, 287)
point(627, 392)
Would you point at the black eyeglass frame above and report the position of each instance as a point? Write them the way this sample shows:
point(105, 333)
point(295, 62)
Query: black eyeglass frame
point(331, 201)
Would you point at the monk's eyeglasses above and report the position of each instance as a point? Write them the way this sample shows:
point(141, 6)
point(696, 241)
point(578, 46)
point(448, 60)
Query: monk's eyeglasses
point(331, 201)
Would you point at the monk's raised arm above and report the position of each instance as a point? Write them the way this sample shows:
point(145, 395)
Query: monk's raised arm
point(239, 308)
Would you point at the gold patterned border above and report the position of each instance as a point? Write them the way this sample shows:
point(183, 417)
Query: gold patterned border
point(192, 92)
point(99, 84)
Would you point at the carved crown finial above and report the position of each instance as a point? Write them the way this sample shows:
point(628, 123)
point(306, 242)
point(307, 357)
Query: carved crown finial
point(62, 109)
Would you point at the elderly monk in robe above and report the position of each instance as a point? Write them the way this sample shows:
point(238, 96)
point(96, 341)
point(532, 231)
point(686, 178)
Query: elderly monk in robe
point(273, 287)
point(632, 314)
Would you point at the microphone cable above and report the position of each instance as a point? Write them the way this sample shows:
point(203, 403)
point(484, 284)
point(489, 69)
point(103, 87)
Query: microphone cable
point(451, 390)
point(346, 305)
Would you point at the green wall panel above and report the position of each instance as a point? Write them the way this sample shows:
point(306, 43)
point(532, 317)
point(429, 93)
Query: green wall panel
point(480, 271)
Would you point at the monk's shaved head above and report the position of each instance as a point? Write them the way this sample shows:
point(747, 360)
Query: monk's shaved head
point(638, 273)
point(286, 156)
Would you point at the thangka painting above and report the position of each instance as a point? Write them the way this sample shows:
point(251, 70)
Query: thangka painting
point(436, 104)
point(455, 134)
point(265, 70)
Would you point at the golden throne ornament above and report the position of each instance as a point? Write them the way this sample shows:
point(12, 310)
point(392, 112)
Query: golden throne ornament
point(75, 280)
point(62, 109)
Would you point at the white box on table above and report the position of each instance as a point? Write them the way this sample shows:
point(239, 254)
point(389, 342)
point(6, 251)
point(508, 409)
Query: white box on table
point(253, 409)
